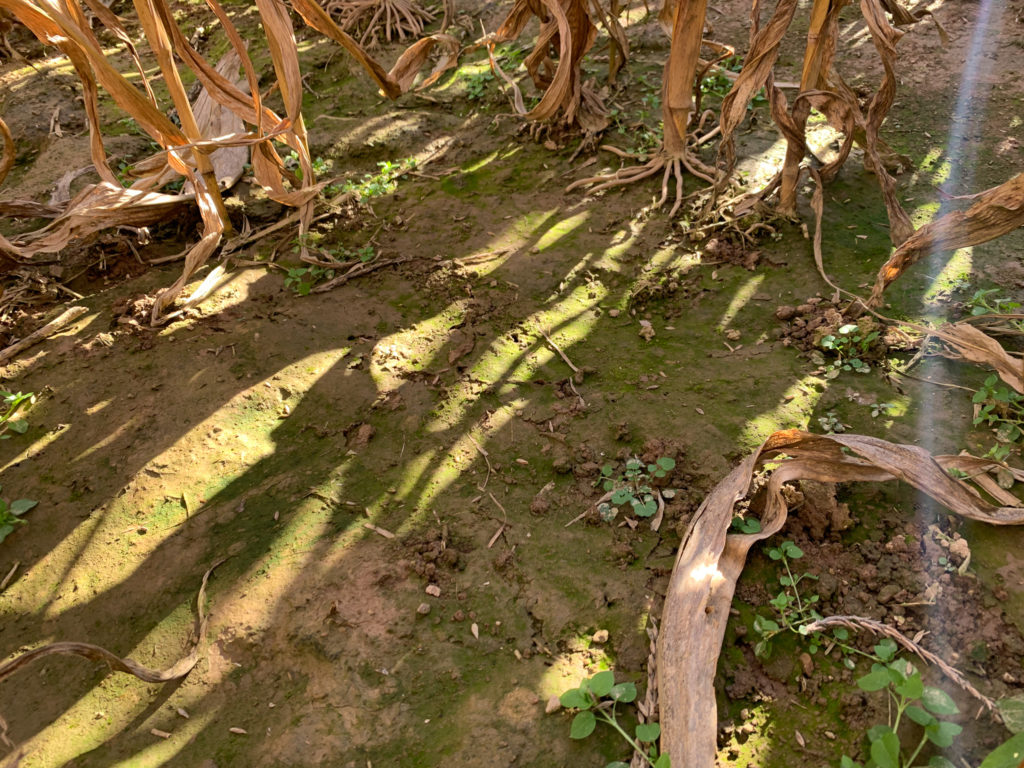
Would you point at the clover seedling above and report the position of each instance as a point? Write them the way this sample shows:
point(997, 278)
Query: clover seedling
point(596, 699)
point(633, 487)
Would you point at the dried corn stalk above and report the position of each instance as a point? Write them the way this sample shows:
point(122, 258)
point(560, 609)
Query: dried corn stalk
point(177, 671)
point(208, 127)
point(565, 26)
point(822, 88)
point(186, 150)
point(710, 559)
point(685, 19)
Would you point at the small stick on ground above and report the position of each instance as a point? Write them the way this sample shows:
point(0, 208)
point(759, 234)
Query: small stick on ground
point(595, 505)
point(9, 576)
point(378, 530)
point(359, 270)
point(483, 453)
point(67, 317)
point(660, 514)
point(558, 349)
point(504, 524)
point(498, 503)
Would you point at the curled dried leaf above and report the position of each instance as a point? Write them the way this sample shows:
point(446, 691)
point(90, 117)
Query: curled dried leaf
point(710, 560)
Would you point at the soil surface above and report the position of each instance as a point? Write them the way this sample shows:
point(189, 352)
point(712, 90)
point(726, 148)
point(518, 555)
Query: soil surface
point(391, 468)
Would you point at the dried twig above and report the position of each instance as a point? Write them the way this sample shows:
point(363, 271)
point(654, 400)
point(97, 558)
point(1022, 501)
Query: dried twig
point(647, 710)
point(497, 533)
point(9, 576)
point(67, 317)
point(378, 530)
point(359, 270)
point(558, 349)
point(595, 505)
point(659, 516)
point(483, 453)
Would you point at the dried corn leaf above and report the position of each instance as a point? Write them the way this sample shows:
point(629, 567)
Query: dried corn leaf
point(416, 55)
point(284, 53)
point(966, 341)
point(215, 120)
point(95, 208)
point(998, 210)
point(710, 560)
point(115, 662)
point(320, 20)
point(885, 36)
point(971, 344)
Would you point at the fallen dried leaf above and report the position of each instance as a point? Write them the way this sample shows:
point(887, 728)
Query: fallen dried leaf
point(710, 560)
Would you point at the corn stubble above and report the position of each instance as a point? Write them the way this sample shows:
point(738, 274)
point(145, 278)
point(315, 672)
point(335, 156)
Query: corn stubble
point(225, 127)
point(229, 121)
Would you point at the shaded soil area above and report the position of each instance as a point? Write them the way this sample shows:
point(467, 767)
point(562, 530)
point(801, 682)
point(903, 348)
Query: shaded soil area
point(390, 467)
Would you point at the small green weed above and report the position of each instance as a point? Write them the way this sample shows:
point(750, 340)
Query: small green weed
point(384, 182)
point(11, 402)
point(746, 524)
point(315, 241)
point(303, 279)
point(882, 409)
point(830, 424)
point(477, 84)
point(633, 486)
point(595, 700)
point(320, 166)
point(1002, 409)
point(985, 302)
point(911, 699)
point(794, 611)
point(719, 84)
point(10, 515)
point(124, 177)
point(643, 134)
point(849, 345)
